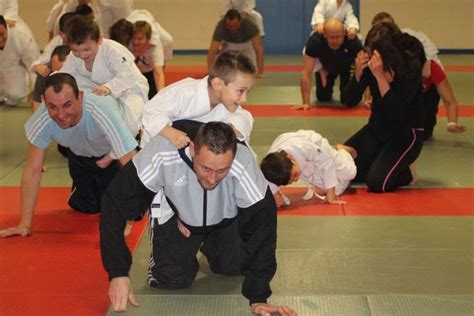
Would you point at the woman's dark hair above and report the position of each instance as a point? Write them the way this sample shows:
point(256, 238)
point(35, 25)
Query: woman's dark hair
point(391, 57)
point(388, 40)
point(414, 48)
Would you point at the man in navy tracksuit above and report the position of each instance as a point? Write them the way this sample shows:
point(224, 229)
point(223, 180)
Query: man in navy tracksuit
point(217, 201)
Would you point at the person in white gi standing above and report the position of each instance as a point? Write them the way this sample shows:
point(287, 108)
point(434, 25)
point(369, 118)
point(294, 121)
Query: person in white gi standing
point(113, 10)
point(18, 50)
point(65, 6)
point(9, 10)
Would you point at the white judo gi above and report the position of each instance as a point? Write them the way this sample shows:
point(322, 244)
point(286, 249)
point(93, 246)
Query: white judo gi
point(321, 164)
point(9, 9)
point(114, 67)
point(113, 10)
point(15, 59)
point(189, 99)
point(65, 6)
point(326, 9)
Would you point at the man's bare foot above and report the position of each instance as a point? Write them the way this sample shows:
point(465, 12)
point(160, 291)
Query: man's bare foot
point(349, 149)
point(413, 173)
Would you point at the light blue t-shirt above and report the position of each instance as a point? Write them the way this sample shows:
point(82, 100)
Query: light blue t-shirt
point(100, 130)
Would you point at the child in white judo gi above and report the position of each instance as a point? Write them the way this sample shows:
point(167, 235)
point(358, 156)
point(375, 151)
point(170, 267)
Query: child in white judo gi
point(106, 68)
point(216, 97)
point(306, 156)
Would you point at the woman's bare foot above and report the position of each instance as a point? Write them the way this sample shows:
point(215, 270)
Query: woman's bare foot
point(413, 173)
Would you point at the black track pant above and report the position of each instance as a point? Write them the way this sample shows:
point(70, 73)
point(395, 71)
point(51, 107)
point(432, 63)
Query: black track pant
point(324, 94)
point(430, 103)
point(384, 166)
point(151, 83)
point(88, 182)
point(174, 265)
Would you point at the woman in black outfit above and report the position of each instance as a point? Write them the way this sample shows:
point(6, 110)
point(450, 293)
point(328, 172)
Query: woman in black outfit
point(393, 137)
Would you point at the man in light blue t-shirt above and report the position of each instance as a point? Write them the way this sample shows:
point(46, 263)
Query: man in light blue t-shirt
point(90, 127)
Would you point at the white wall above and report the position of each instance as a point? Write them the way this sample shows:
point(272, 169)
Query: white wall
point(449, 24)
point(191, 22)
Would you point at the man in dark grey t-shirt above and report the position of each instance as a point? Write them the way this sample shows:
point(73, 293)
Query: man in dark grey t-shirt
point(235, 32)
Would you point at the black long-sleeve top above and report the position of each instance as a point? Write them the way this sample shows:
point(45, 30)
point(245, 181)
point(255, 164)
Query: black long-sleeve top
point(400, 107)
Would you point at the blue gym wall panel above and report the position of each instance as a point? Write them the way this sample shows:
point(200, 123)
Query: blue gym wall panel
point(287, 24)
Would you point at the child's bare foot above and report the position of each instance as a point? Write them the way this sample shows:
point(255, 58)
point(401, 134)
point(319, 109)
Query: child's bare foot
point(349, 149)
point(413, 173)
point(44, 168)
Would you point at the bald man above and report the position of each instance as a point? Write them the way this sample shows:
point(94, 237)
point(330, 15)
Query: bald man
point(336, 52)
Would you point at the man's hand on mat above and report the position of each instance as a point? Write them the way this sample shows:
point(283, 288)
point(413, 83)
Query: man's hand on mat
point(268, 309)
point(301, 107)
point(120, 293)
point(14, 231)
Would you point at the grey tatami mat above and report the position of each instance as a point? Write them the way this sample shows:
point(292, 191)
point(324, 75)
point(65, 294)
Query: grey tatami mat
point(341, 266)
point(420, 305)
point(330, 305)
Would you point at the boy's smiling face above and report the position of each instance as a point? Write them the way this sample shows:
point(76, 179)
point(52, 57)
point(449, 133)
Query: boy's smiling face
point(235, 92)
